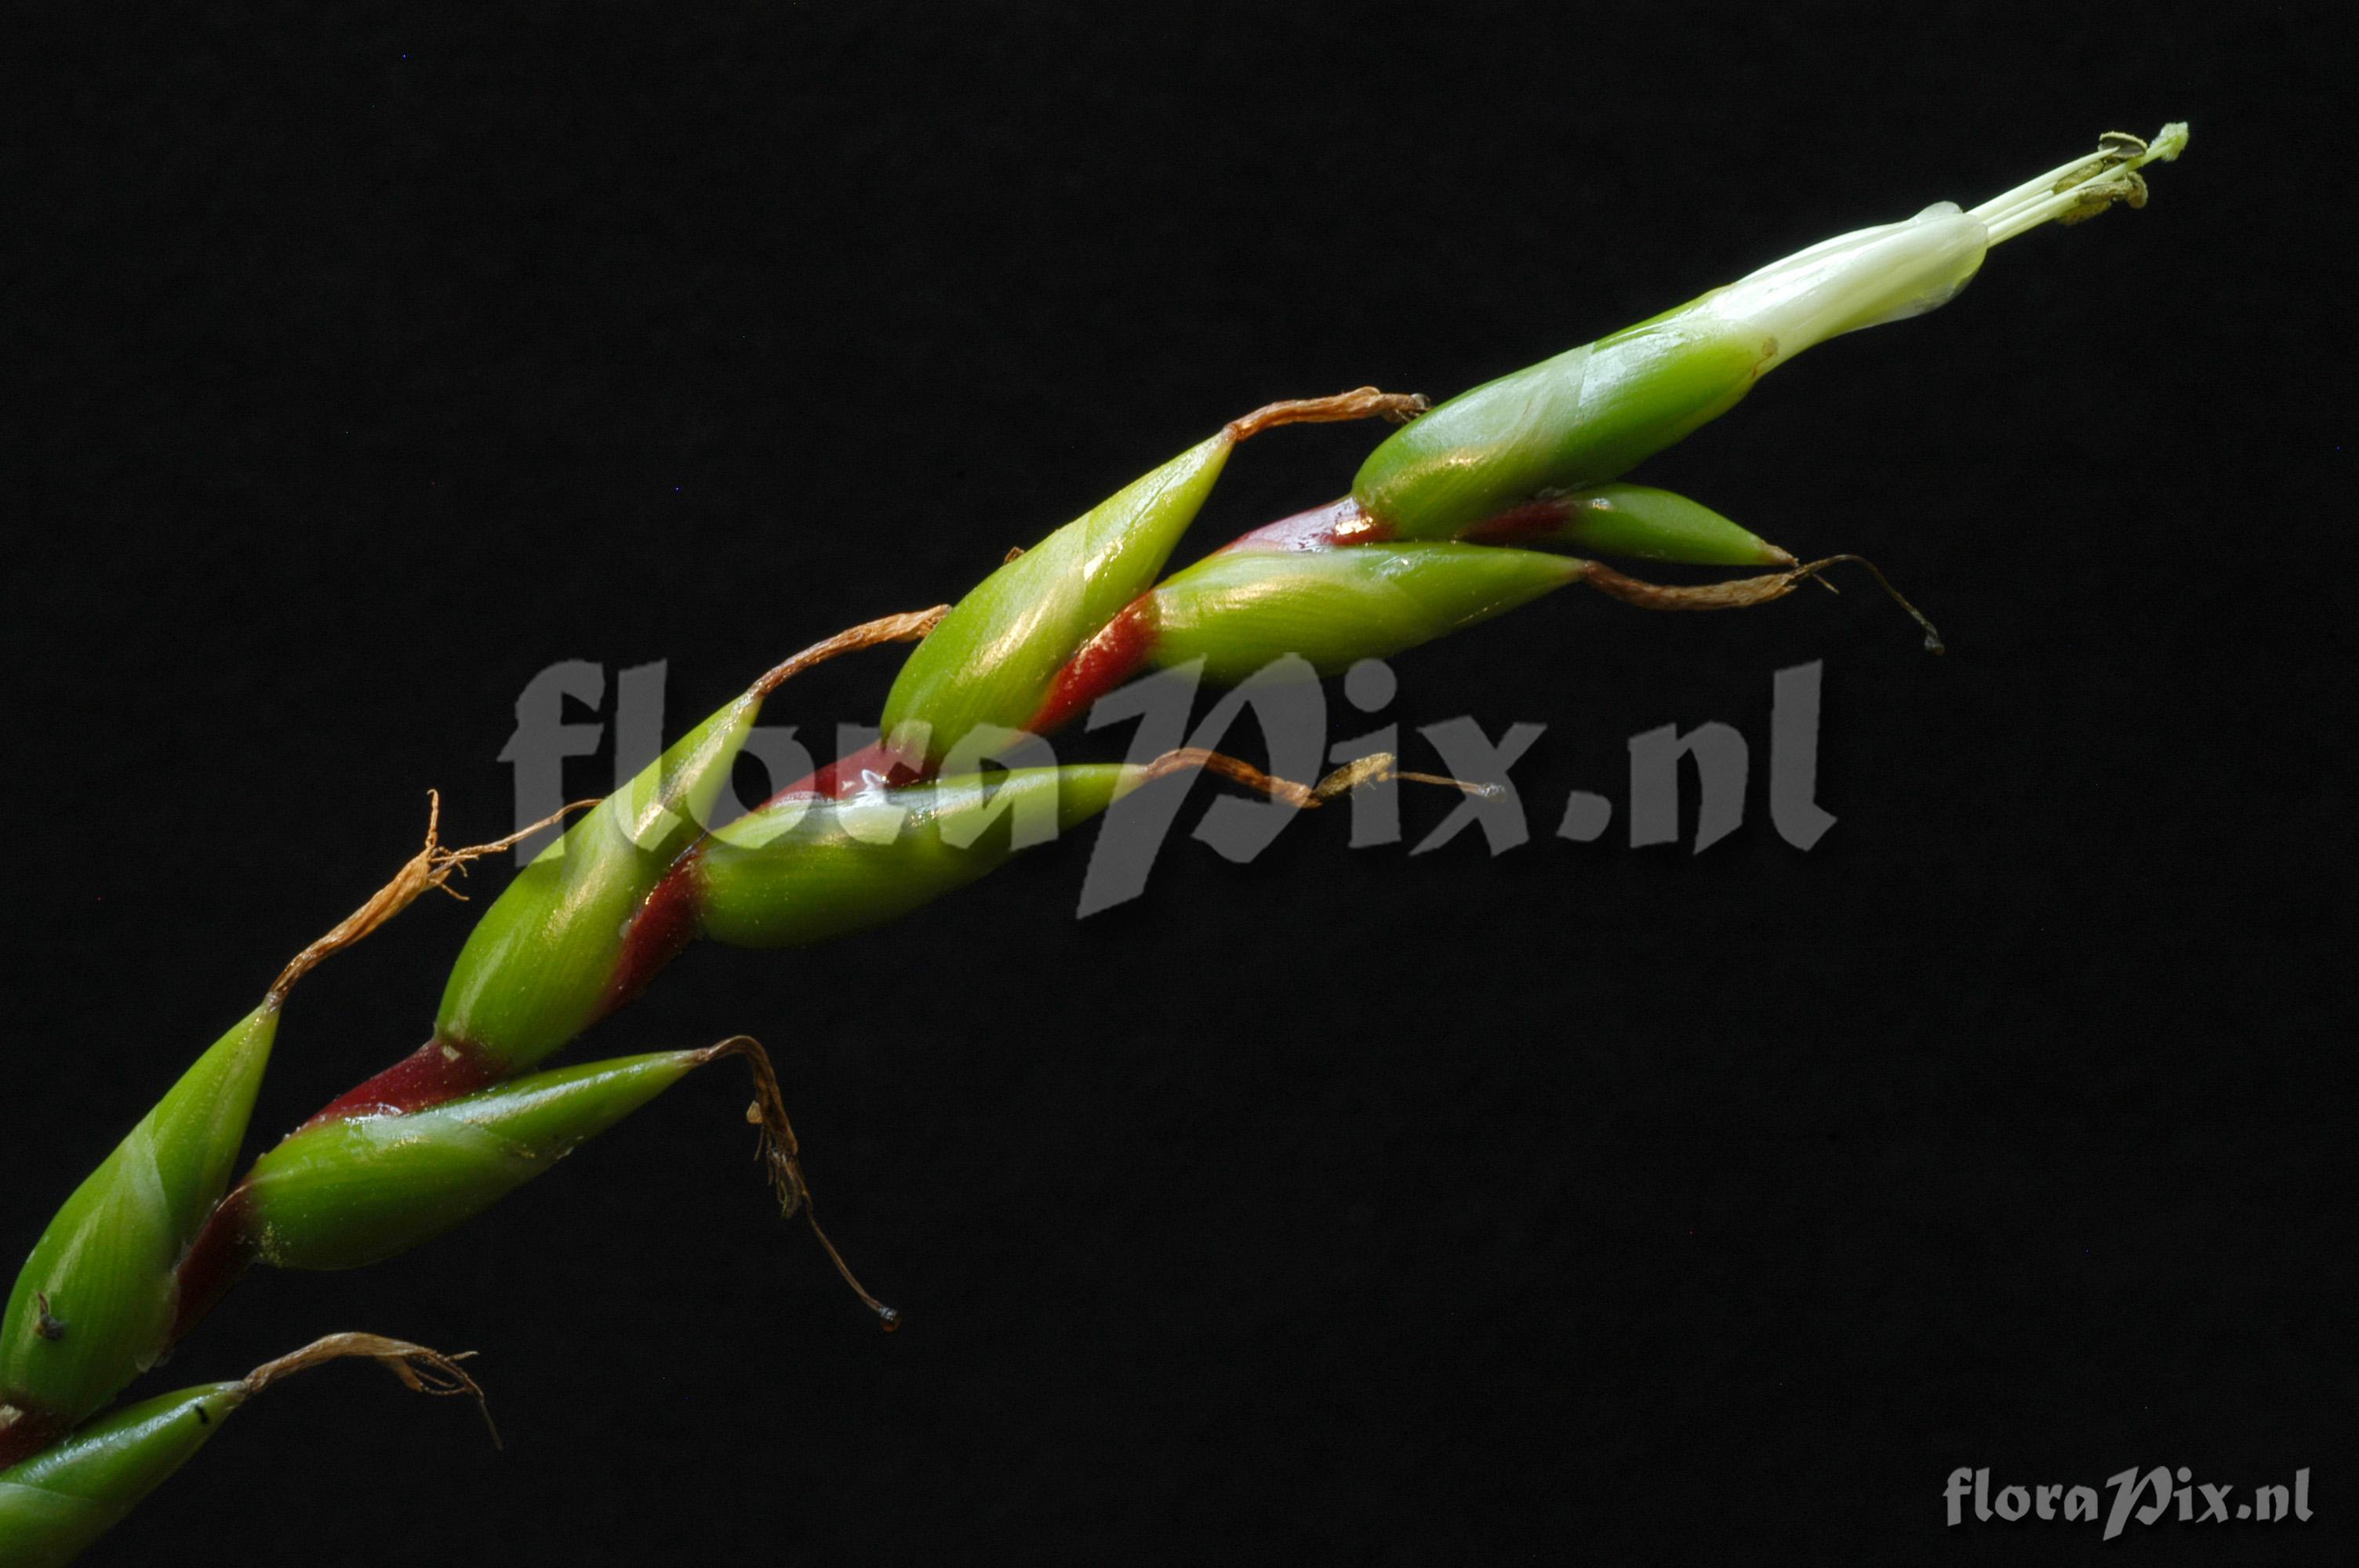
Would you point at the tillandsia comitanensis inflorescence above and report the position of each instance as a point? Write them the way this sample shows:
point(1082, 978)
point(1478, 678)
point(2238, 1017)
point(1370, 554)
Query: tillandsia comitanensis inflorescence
point(1471, 508)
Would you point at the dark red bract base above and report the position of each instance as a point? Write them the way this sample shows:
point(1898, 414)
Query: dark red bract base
point(29, 1434)
point(1328, 527)
point(219, 1257)
point(1104, 661)
point(1520, 522)
point(663, 924)
point(847, 772)
point(436, 1071)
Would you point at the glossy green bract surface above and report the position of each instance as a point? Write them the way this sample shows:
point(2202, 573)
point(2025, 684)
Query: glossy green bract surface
point(1645, 524)
point(338, 1195)
point(105, 1263)
point(1579, 419)
point(992, 659)
point(57, 1502)
point(539, 966)
point(1242, 609)
point(803, 870)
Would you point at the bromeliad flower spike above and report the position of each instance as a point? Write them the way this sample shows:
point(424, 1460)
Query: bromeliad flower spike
point(1472, 508)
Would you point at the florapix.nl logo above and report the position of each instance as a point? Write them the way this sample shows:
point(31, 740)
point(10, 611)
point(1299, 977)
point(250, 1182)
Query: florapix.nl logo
point(1284, 711)
point(2150, 1496)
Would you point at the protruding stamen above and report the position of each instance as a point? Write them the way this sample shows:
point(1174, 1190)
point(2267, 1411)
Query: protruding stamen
point(2085, 186)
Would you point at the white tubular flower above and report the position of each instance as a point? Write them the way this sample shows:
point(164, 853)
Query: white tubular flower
point(1890, 273)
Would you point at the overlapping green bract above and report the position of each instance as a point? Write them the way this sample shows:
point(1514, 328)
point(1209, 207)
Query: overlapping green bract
point(539, 966)
point(338, 1195)
point(57, 1503)
point(93, 1306)
point(1579, 419)
point(1244, 609)
point(991, 661)
point(803, 870)
point(1641, 523)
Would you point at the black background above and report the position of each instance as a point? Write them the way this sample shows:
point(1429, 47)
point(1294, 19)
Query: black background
point(1578, 1201)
